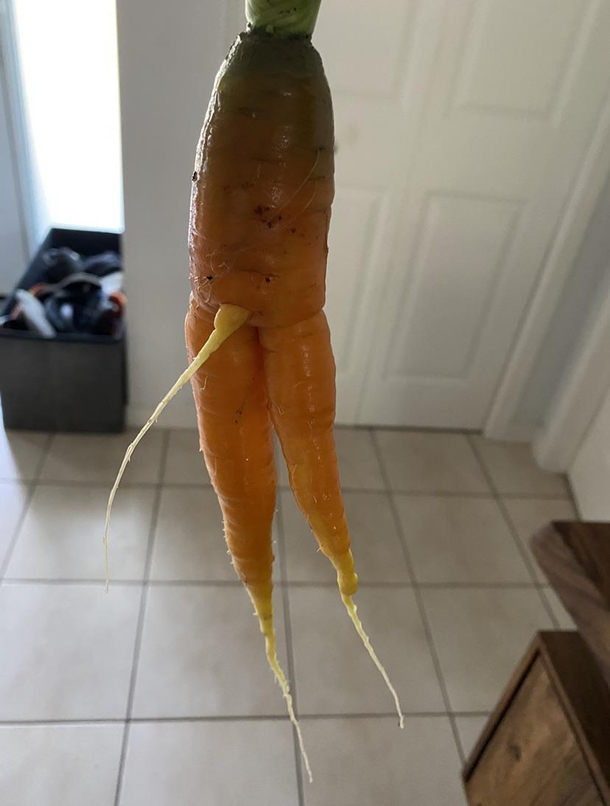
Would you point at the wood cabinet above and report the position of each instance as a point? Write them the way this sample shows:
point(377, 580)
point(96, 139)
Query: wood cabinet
point(548, 742)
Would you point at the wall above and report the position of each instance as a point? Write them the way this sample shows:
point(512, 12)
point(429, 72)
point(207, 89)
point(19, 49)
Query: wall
point(587, 276)
point(168, 55)
point(13, 247)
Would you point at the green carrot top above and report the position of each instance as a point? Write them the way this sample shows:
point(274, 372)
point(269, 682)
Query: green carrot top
point(283, 17)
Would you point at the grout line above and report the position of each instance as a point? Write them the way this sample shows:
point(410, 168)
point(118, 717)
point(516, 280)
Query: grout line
point(43, 457)
point(472, 713)
point(417, 595)
point(101, 484)
point(536, 497)
point(122, 760)
point(410, 493)
point(16, 581)
point(162, 720)
point(17, 530)
point(374, 715)
point(476, 585)
point(411, 429)
point(289, 649)
point(460, 748)
point(411, 584)
point(141, 614)
point(31, 489)
point(529, 564)
point(177, 583)
point(413, 493)
point(26, 723)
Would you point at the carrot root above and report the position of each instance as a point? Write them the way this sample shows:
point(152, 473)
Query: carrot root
point(347, 578)
point(262, 605)
point(353, 614)
point(228, 319)
point(270, 648)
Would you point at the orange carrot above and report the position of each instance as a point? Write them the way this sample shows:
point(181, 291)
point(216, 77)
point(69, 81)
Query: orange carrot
point(256, 335)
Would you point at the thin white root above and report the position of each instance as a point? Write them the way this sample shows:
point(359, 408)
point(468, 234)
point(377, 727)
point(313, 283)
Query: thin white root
point(228, 319)
point(270, 648)
point(353, 613)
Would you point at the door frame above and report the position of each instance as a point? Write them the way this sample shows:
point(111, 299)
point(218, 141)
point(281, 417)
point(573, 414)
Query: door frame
point(560, 256)
point(18, 132)
point(581, 393)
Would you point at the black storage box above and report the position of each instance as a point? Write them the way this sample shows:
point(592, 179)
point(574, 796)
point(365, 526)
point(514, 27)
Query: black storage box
point(72, 382)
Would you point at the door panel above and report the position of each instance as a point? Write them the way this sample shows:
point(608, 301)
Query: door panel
point(545, 35)
point(513, 97)
point(462, 127)
point(459, 258)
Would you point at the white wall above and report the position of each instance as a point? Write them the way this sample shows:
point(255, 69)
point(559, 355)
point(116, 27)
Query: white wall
point(169, 54)
point(588, 275)
point(13, 247)
point(590, 471)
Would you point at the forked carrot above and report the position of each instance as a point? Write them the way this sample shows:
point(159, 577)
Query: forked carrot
point(256, 334)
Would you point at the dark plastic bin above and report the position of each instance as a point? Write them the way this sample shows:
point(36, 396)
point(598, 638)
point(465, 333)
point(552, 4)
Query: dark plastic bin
point(72, 382)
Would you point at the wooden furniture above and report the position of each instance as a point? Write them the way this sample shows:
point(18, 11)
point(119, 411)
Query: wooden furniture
point(548, 741)
point(576, 560)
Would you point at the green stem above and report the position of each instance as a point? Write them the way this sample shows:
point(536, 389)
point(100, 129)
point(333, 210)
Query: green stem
point(283, 17)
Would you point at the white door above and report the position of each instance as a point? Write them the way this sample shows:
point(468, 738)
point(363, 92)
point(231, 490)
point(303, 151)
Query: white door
point(12, 234)
point(590, 470)
point(461, 129)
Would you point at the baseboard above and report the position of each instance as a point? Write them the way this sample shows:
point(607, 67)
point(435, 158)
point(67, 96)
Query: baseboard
point(514, 432)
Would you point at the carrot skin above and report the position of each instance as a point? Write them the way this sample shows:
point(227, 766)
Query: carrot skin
point(260, 212)
point(300, 378)
point(263, 183)
point(236, 440)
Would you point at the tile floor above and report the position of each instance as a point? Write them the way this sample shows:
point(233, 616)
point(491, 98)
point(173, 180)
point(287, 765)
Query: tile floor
point(159, 694)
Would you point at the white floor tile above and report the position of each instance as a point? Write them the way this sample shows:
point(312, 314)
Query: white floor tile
point(13, 499)
point(20, 454)
point(358, 464)
point(185, 463)
point(417, 461)
point(369, 761)
point(480, 636)
point(62, 534)
point(470, 728)
point(59, 765)
point(529, 515)
point(334, 673)
point(215, 763)
point(203, 655)
point(67, 651)
point(375, 541)
point(189, 540)
point(97, 458)
point(459, 540)
point(513, 469)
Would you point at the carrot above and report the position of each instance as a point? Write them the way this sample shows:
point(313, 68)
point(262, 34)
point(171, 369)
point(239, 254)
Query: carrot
point(256, 334)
